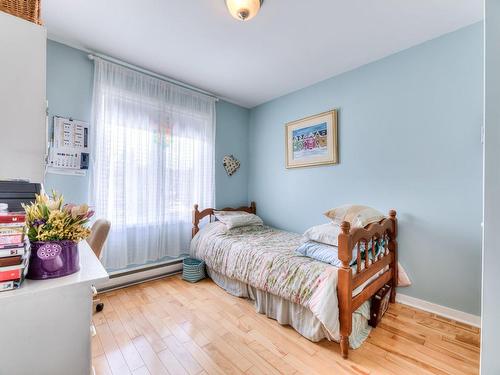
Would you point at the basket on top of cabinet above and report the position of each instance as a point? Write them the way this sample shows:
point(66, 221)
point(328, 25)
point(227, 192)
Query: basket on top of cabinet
point(26, 9)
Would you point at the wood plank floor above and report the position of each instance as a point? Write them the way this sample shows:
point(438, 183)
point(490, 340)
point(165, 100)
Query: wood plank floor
point(169, 326)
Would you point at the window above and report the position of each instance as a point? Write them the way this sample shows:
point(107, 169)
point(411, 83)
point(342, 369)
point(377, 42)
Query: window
point(152, 158)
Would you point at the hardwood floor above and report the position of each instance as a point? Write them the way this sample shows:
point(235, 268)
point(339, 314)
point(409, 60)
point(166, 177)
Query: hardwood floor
point(169, 326)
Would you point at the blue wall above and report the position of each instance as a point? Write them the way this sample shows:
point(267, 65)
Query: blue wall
point(490, 340)
point(409, 139)
point(231, 138)
point(69, 92)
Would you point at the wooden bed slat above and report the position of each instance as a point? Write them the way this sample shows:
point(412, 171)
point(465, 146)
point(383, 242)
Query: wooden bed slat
point(378, 266)
point(371, 230)
point(358, 259)
point(371, 289)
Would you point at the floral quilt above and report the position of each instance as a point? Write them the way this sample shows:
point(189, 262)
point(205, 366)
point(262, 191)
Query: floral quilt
point(264, 258)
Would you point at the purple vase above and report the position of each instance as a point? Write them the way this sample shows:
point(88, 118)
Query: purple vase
point(52, 259)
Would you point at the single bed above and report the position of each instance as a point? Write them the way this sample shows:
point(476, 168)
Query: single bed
point(315, 298)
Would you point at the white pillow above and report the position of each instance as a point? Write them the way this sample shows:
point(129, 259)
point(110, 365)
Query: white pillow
point(358, 216)
point(325, 233)
point(234, 219)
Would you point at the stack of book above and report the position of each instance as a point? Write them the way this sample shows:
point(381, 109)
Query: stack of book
point(14, 250)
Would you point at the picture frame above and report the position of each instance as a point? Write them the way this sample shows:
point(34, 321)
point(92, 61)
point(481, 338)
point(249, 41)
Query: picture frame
point(312, 141)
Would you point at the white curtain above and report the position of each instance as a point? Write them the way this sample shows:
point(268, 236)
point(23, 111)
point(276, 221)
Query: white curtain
point(152, 158)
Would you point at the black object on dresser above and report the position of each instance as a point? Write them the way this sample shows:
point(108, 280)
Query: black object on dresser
point(14, 193)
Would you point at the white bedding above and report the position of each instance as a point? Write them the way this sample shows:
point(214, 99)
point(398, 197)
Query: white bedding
point(292, 314)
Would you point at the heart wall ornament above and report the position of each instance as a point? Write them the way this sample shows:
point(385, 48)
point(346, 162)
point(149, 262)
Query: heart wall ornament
point(231, 164)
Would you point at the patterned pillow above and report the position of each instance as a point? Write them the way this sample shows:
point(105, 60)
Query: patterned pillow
point(321, 252)
point(330, 254)
point(234, 219)
point(358, 216)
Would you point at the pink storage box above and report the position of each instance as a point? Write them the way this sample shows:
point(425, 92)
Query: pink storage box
point(11, 239)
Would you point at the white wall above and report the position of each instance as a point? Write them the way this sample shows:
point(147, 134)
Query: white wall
point(22, 98)
point(490, 340)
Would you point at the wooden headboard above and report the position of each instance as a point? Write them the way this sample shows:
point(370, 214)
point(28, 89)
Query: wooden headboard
point(198, 215)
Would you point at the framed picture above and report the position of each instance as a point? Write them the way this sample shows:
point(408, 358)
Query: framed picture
point(312, 141)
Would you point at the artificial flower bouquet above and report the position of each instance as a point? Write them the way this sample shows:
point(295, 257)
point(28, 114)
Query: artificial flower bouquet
point(54, 230)
point(49, 219)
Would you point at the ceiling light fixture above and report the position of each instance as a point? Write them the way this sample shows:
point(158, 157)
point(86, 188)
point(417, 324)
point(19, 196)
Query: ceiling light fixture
point(244, 10)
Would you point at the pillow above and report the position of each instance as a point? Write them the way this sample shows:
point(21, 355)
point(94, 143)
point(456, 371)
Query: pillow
point(322, 252)
point(330, 254)
point(358, 216)
point(234, 219)
point(324, 233)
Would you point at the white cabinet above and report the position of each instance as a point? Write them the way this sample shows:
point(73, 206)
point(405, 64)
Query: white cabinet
point(45, 326)
point(22, 98)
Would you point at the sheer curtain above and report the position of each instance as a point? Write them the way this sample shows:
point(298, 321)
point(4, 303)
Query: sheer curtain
point(152, 158)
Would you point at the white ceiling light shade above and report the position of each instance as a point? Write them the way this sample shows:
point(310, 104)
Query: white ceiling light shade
point(244, 10)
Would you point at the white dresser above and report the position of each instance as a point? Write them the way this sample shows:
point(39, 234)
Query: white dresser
point(45, 326)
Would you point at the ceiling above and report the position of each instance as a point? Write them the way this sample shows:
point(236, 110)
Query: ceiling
point(291, 44)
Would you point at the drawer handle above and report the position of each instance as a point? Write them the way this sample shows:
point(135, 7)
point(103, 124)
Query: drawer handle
point(93, 332)
point(94, 290)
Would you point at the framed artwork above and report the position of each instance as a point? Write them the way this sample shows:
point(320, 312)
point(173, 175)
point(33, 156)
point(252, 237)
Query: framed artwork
point(312, 140)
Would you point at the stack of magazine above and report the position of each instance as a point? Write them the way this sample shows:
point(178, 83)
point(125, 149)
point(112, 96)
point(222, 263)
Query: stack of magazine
point(14, 250)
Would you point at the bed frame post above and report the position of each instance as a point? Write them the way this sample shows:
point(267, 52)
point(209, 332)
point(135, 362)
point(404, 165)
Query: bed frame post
point(344, 288)
point(196, 221)
point(393, 248)
point(253, 207)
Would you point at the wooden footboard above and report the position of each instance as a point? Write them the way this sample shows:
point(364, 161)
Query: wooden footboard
point(379, 268)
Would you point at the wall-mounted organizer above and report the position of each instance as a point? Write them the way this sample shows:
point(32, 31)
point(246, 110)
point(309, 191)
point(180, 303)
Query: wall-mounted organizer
point(69, 147)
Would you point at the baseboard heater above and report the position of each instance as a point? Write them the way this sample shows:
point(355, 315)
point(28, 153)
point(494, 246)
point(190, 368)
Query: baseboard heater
point(141, 274)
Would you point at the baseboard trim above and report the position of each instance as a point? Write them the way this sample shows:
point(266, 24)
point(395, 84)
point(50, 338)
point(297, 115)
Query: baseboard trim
point(144, 268)
point(443, 311)
point(127, 279)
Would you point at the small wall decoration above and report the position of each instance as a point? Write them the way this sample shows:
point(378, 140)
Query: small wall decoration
point(312, 140)
point(231, 164)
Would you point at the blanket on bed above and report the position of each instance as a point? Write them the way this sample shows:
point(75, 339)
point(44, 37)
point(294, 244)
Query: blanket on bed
point(265, 258)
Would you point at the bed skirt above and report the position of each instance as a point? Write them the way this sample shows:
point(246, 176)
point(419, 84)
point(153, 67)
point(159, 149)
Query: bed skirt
point(288, 313)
